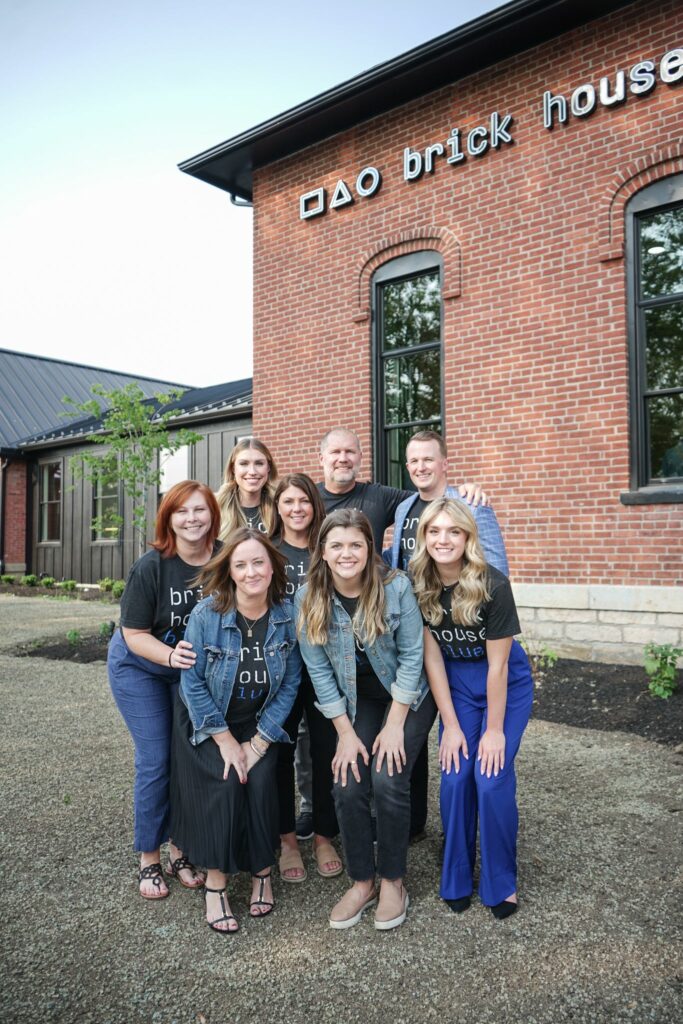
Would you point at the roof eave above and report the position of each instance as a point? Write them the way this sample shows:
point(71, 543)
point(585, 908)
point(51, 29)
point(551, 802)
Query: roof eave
point(495, 36)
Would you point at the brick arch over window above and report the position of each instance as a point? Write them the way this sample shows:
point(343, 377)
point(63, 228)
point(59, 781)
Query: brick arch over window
point(441, 240)
point(653, 166)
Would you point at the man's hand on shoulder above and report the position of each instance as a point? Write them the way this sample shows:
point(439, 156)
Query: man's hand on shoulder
point(473, 494)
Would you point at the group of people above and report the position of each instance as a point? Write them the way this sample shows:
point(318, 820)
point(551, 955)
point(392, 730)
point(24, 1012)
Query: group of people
point(270, 602)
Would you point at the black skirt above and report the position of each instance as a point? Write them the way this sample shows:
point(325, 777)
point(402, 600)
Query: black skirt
point(222, 824)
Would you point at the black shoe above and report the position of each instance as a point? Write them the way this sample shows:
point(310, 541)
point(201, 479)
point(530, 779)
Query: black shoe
point(502, 910)
point(460, 905)
point(304, 826)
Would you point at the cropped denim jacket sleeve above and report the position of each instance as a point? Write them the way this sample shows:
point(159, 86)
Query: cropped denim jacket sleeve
point(206, 688)
point(396, 656)
point(490, 535)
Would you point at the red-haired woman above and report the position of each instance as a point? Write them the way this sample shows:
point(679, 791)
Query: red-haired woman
point(245, 497)
point(145, 658)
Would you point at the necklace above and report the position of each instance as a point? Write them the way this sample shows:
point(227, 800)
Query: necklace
point(250, 625)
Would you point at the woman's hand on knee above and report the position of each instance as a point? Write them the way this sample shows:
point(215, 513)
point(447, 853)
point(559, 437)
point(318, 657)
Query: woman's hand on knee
point(389, 743)
point(452, 743)
point(233, 755)
point(349, 748)
point(491, 752)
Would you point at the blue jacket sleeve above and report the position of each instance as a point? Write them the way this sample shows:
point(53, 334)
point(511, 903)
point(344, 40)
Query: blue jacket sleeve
point(274, 716)
point(331, 702)
point(205, 716)
point(410, 648)
point(490, 537)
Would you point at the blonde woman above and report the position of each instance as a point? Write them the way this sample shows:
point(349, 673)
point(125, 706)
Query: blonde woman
point(481, 682)
point(360, 634)
point(245, 497)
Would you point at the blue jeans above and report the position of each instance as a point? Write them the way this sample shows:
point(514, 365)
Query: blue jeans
point(144, 694)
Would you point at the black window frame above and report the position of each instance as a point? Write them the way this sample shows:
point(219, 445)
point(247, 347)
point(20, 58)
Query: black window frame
point(44, 502)
point(660, 196)
point(400, 268)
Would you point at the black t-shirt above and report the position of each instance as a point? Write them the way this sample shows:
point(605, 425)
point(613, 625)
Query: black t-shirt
point(379, 503)
point(367, 683)
point(253, 518)
point(497, 620)
point(409, 532)
point(251, 682)
point(298, 561)
point(159, 596)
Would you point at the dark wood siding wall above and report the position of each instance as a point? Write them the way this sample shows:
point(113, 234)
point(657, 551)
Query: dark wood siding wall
point(77, 555)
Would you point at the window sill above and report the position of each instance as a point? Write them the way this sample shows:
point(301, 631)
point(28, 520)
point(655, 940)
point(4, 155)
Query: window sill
point(663, 494)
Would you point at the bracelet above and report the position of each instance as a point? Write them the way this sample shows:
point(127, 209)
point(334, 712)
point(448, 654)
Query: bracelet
point(170, 655)
point(255, 749)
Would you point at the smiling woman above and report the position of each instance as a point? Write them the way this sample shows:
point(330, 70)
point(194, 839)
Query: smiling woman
point(246, 495)
point(229, 719)
point(145, 658)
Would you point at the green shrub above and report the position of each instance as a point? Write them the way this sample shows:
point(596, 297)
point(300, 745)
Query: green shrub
point(7, 577)
point(29, 581)
point(68, 584)
point(47, 581)
point(118, 588)
point(74, 637)
point(106, 583)
point(541, 658)
point(106, 629)
point(660, 665)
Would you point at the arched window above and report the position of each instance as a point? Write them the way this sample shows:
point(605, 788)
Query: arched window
point(654, 251)
point(407, 345)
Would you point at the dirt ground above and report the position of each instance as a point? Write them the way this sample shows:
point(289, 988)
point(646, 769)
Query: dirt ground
point(597, 938)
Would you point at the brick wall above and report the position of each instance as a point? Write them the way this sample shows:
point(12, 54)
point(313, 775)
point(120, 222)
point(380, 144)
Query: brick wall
point(14, 554)
point(536, 372)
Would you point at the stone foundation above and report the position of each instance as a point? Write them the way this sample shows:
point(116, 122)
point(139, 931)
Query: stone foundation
point(600, 623)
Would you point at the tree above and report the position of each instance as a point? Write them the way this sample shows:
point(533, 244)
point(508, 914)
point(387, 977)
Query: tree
point(135, 431)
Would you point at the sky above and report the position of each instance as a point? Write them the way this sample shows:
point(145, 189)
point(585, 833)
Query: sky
point(111, 256)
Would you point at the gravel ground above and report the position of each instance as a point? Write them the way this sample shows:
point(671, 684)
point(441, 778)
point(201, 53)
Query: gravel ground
point(596, 939)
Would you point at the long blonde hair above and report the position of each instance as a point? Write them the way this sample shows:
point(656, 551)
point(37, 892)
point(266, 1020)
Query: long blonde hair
point(228, 495)
point(473, 585)
point(316, 608)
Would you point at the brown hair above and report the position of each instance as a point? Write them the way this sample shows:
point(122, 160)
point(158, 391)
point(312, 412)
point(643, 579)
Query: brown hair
point(164, 537)
point(228, 493)
point(429, 435)
point(305, 484)
point(316, 606)
point(215, 578)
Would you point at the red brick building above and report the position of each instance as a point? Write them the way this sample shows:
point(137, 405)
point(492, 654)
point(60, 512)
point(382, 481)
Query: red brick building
point(486, 235)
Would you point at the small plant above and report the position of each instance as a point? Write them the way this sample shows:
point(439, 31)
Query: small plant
point(106, 630)
point(118, 588)
point(7, 577)
point(105, 584)
point(67, 799)
point(29, 581)
point(74, 637)
point(68, 585)
point(660, 665)
point(541, 658)
point(47, 581)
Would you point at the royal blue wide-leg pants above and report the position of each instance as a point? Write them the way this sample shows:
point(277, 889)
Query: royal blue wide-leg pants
point(469, 796)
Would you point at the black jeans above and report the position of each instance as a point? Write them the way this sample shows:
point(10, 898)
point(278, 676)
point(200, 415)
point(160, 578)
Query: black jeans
point(419, 791)
point(391, 795)
point(323, 740)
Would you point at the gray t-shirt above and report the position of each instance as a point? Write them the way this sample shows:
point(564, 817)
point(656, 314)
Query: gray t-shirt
point(378, 502)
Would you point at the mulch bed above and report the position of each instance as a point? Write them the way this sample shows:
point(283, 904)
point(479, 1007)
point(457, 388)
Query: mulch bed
point(587, 695)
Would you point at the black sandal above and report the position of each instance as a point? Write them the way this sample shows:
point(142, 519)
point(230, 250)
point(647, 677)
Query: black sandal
point(260, 902)
point(225, 917)
point(154, 873)
point(180, 864)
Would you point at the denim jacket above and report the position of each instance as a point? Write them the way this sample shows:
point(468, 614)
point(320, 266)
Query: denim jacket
point(206, 688)
point(490, 537)
point(396, 656)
